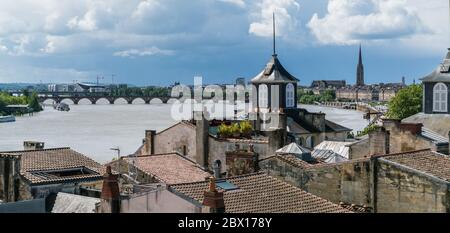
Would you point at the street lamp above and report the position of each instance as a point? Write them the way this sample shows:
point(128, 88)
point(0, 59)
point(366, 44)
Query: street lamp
point(118, 151)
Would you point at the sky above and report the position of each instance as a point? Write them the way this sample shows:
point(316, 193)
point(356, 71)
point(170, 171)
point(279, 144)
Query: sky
point(159, 42)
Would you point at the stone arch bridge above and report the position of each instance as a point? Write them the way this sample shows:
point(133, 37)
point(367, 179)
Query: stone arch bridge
point(111, 100)
point(95, 97)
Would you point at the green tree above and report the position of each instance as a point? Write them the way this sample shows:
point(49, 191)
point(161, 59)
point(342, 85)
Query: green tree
point(406, 103)
point(33, 102)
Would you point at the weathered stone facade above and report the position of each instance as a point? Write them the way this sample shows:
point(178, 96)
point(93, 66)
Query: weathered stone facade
point(377, 183)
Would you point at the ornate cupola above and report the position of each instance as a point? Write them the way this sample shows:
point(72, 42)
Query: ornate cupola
point(276, 88)
point(436, 89)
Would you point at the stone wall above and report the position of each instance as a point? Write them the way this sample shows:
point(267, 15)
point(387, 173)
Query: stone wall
point(348, 182)
point(218, 149)
point(400, 189)
point(376, 183)
point(359, 149)
point(175, 138)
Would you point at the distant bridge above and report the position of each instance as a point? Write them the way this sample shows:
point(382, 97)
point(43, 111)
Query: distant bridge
point(94, 97)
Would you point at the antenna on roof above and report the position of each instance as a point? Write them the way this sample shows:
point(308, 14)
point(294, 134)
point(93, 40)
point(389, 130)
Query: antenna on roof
point(274, 35)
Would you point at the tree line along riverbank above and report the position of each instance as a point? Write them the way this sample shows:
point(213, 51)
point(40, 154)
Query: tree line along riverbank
point(30, 100)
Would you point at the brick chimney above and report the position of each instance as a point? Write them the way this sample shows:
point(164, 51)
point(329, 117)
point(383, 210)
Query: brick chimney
point(110, 197)
point(412, 127)
point(213, 200)
point(202, 139)
point(149, 142)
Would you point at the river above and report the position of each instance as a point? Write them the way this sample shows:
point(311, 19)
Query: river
point(94, 129)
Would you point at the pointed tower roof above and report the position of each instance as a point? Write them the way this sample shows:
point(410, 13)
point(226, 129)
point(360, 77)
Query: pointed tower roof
point(360, 55)
point(441, 73)
point(274, 71)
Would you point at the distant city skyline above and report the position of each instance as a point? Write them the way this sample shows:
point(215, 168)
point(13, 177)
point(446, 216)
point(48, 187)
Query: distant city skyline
point(162, 42)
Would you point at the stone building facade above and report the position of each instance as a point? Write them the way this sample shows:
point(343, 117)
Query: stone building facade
point(391, 183)
point(396, 137)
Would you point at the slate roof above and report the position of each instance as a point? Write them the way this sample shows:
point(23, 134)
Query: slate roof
point(334, 127)
point(441, 73)
point(294, 127)
point(35, 165)
point(327, 156)
point(274, 73)
point(260, 193)
point(433, 136)
point(170, 168)
point(427, 161)
point(293, 149)
point(340, 148)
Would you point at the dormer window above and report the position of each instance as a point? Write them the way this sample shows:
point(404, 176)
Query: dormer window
point(290, 96)
point(440, 97)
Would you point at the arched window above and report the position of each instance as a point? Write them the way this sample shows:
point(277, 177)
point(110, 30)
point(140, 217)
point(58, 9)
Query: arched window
point(440, 96)
point(263, 96)
point(290, 95)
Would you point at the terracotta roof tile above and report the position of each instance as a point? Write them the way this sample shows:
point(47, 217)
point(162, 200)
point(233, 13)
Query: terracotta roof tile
point(426, 161)
point(170, 168)
point(49, 160)
point(260, 193)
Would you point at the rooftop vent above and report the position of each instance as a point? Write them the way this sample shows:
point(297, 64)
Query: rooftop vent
point(225, 185)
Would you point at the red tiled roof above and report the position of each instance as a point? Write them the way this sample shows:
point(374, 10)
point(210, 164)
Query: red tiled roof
point(53, 160)
point(260, 193)
point(170, 168)
point(292, 160)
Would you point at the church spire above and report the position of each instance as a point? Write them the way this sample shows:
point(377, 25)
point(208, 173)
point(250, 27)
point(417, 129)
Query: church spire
point(360, 55)
point(360, 70)
point(274, 35)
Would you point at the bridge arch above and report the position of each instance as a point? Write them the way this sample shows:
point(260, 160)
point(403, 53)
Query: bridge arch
point(67, 101)
point(138, 100)
point(85, 101)
point(156, 101)
point(103, 101)
point(172, 101)
point(120, 100)
point(48, 101)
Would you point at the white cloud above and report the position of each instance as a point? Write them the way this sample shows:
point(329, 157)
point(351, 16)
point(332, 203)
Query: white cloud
point(286, 17)
point(353, 21)
point(143, 52)
point(239, 3)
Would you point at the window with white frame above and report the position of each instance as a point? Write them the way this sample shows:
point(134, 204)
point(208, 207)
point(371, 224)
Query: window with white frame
point(440, 96)
point(290, 95)
point(263, 96)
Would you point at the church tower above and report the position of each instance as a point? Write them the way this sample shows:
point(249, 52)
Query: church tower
point(360, 70)
point(276, 88)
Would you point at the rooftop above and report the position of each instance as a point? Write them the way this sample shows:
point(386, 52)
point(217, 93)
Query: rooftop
point(441, 73)
point(340, 148)
point(170, 168)
point(327, 156)
point(274, 73)
point(293, 149)
point(260, 193)
point(426, 161)
point(70, 203)
point(56, 165)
